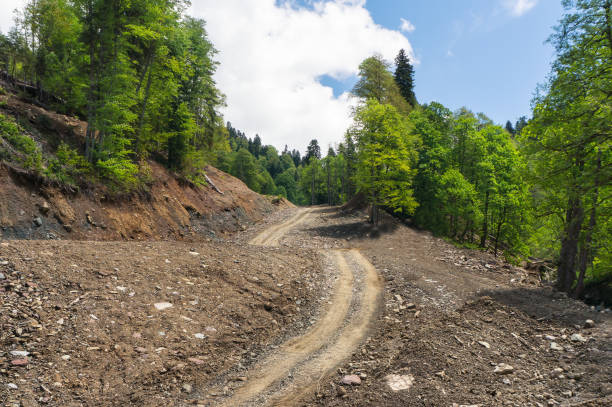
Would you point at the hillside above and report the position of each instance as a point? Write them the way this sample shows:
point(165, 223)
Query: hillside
point(33, 206)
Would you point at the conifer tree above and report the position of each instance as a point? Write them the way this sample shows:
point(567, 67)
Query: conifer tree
point(404, 77)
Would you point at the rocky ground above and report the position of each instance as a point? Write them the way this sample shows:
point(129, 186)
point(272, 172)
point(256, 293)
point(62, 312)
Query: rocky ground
point(167, 323)
point(462, 327)
point(96, 323)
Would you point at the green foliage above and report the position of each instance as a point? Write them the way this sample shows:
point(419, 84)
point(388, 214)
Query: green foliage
point(404, 78)
point(68, 166)
point(376, 82)
point(119, 172)
point(140, 73)
point(386, 154)
point(569, 145)
point(21, 148)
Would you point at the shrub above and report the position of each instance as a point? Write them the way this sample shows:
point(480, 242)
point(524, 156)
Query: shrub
point(31, 156)
point(68, 166)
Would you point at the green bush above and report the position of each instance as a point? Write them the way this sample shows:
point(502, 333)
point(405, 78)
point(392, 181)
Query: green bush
point(120, 173)
point(31, 156)
point(69, 166)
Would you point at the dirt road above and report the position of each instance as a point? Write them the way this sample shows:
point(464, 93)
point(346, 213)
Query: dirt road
point(342, 327)
point(318, 295)
point(450, 318)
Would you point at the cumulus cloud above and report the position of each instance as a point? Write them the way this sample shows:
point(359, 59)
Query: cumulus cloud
point(407, 26)
point(272, 54)
point(7, 16)
point(519, 7)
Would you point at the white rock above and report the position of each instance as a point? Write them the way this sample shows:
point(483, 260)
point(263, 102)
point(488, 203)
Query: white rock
point(12, 386)
point(556, 346)
point(160, 306)
point(399, 382)
point(577, 338)
point(121, 288)
point(503, 368)
point(589, 323)
point(200, 336)
point(19, 353)
point(66, 357)
point(485, 344)
point(194, 253)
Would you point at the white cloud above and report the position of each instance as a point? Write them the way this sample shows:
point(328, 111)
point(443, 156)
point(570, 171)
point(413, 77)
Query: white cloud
point(7, 15)
point(272, 53)
point(407, 26)
point(519, 7)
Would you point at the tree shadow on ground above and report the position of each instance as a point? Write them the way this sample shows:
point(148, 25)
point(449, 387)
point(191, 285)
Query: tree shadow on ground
point(354, 230)
point(545, 304)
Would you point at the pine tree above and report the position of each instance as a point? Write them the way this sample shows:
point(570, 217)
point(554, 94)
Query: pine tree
point(404, 77)
point(312, 151)
point(510, 128)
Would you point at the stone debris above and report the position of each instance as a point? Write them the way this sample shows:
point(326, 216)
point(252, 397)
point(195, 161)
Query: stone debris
point(20, 362)
point(485, 344)
point(351, 380)
point(577, 338)
point(503, 368)
point(399, 382)
point(556, 346)
point(160, 306)
point(589, 323)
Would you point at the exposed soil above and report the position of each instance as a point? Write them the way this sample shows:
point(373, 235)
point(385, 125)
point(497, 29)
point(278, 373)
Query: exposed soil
point(342, 326)
point(440, 302)
point(291, 322)
point(85, 313)
point(170, 208)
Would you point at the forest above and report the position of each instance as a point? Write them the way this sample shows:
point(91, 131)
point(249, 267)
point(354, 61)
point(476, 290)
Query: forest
point(141, 74)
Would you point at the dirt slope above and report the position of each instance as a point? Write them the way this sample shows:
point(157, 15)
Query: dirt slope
point(170, 209)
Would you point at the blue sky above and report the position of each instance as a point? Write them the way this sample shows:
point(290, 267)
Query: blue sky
point(473, 53)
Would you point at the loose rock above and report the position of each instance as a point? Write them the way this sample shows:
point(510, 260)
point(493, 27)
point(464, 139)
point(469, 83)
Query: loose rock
point(399, 382)
point(577, 338)
point(352, 379)
point(503, 368)
point(160, 306)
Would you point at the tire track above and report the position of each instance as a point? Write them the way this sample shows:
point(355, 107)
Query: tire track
point(302, 361)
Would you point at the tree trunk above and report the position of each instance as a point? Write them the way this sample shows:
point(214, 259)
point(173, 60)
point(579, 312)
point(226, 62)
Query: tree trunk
point(143, 110)
point(485, 226)
point(586, 251)
point(329, 196)
point(498, 232)
point(312, 186)
point(566, 273)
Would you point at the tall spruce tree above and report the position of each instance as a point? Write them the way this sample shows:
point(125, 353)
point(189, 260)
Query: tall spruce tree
point(404, 77)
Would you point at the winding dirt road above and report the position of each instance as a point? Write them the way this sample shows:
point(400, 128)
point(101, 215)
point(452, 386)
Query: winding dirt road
point(294, 369)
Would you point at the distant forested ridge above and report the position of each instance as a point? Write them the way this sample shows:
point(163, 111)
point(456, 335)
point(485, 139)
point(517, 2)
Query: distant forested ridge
point(141, 74)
